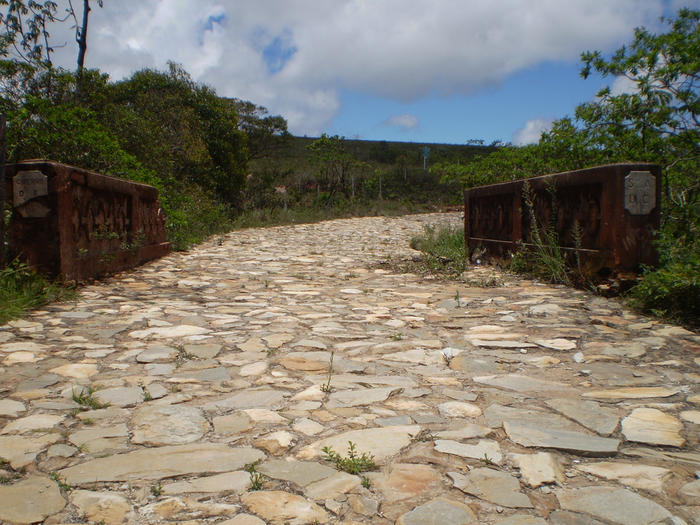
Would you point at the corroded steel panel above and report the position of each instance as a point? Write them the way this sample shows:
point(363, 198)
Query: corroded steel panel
point(606, 214)
point(93, 224)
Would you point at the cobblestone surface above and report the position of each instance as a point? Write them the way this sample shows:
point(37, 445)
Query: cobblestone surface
point(196, 389)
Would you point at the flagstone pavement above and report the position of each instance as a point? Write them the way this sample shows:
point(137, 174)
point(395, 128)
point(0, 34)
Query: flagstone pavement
point(203, 388)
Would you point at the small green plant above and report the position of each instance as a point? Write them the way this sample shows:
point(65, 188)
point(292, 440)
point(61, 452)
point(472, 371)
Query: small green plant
point(84, 397)
point(147, 395)
point(487, 460)
point(443, 252)
point(326, 387)
point(366, 482)
point(157, 489)
point(354, 463)
point(61, 483)
point(397, 337)
point(182, 356)
point(257, 479)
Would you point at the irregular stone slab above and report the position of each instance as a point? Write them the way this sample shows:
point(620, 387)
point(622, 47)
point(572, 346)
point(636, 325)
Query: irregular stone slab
point(645, 477)
point(652, 426)
point(575, 442)
point(156, 354)
point(120, 396)
point(24, 346)
point(276, 443)
point(231, 424)
point(76, 370)
point(169, 332)
point(539, 468)
point(366, 396)
point(439, 512)
point(161, 462)
point(588, 413)
point(263, 415)
point(235, 482)
point(176, 509)
point(556, 344)
point(496, 414)
point(253, 369)
point(302, 473)
point(520, 383)
point(30, 500)
point(639, 392)
point(252, 398)
point(307, 426)
point(692, 416)
point(20, 451)
point(564, 517)
point(203, 351)
point(406, 481)
point(500, 343)
point(474, 365)
point(492, 485)
point(332, 486)
point(281, 508)
point(38, 382)
point(243, 519)
point(88, 435)
point(521, 519)
point(465, 431)
point(105, 507)
point(168, 425)
point(690, 492)
point(32, 423)
point(382, 442)
point(616, 505)
point(482, 450)
point(458, 409)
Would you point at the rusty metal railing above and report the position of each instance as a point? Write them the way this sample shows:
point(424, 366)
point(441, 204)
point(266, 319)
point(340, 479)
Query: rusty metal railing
point(79, 224)
point(606, 214)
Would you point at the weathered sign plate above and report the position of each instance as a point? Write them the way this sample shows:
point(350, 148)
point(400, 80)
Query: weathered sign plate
point(28, 185)
point(640, 192)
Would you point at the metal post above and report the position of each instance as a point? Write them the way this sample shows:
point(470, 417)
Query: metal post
point(3, 196)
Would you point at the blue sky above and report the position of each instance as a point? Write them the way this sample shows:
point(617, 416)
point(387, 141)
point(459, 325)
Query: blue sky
point(422, 71)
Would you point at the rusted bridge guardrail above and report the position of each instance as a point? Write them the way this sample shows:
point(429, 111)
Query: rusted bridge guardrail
point(607, 214)
point(79, 224)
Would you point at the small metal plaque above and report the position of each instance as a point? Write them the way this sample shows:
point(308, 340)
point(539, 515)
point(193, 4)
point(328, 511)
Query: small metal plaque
point(640, 192)
point(28, 185)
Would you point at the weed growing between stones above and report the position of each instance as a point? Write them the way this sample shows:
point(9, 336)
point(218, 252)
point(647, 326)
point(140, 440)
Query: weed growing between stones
point(257, 479)
point(61, 484)
point(86, 400)
point(182, 356)
point(366, 482)
point(326, 387)
point(7, 474)
point(354, 463)
point(157, 489)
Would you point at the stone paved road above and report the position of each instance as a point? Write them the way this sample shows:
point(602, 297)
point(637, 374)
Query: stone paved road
point(516, 404)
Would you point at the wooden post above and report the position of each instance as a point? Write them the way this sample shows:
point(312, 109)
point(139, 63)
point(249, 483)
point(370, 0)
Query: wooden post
point(3, 196)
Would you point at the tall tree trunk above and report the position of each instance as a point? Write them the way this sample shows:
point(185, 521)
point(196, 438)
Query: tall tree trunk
point(82, 37)
point(3, 196)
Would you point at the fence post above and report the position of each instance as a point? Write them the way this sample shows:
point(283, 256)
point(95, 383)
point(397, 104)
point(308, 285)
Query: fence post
point(3, 196)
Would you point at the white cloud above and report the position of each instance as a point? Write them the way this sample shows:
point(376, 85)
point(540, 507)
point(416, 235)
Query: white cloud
point(532, 130)
point(405, 121)
point(296, 56)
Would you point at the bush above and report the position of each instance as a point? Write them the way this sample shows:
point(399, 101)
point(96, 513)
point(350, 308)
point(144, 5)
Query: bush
point(443, 249)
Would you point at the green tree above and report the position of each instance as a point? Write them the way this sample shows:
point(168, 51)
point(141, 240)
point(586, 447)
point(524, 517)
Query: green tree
point(266, 133)
point(334, 163)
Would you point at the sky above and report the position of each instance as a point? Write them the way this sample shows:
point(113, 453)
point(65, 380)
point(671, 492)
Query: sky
point(440, 71)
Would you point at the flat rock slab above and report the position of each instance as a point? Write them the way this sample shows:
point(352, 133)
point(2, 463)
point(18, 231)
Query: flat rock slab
point(102, 507)
point(491, 485)
point(652, 426)
point(365, 396)
point(20, 451)
point(521, 519)
point(588, 413)
point(640, 392)
point(161, 462)
point(575, 442)
point(406, 481)
point(120, 396)
point(32, 423)
point(645, 477)
point(382, 442)
point(236, 482)
point(539, 468)
point(261, 398)
point(30, 500)
point(168, 425)
point(616, 505)
point(520, 383)
point(439, 511)
point(496, 414)
point(300, 472)
point(283, 508)
point(484, 449)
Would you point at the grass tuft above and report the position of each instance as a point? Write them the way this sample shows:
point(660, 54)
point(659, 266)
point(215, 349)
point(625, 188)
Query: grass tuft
point(354, 463)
